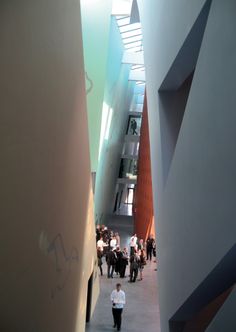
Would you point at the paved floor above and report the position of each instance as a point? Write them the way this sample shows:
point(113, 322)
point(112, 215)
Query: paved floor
point(125, 210)
point(141, 312)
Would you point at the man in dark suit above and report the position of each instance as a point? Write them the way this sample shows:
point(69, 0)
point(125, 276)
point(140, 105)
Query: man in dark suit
point(111, 263)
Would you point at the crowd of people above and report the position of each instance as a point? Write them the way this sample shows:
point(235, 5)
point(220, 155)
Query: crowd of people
point(117, 259)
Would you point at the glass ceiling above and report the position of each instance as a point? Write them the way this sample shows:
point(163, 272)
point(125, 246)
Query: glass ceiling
point(131, 34)
point(121, 7)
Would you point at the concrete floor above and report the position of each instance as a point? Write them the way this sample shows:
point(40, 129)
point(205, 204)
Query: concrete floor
point(125, 210)
point(141, 312)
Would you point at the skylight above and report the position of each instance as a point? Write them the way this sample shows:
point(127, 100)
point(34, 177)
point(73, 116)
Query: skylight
point(123, 21)
point(121, 7)
point(130, 27)
point(132, 33)
point(132, 39)
point(133, 44)
point(135, 49)
point(138, 68)
point(140, 83)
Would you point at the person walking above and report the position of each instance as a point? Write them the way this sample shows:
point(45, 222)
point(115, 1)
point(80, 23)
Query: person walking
point(118, 302)
point(100, 244)
point(111, 259)
point(117, 239)
point(113, 243)
point(142, 262)
point(133, 244)
point(99, 256)
point(140, 244)
point(124, 262)
point(119, 255)
point(134, 264)
point(149, 247)
point(133, 127)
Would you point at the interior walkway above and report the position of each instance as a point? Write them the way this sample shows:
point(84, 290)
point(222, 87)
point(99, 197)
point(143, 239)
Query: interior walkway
point(141, 312)
point(125, 210)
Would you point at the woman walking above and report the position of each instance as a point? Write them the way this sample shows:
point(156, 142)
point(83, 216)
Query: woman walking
point(142, 262)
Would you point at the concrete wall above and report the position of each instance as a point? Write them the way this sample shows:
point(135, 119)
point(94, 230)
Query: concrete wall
point(194, 201)
point(45, 169)
point(117, 98)
point(225, 320)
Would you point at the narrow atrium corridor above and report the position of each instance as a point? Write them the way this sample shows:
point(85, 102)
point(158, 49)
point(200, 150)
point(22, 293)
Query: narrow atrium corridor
point(117, 113)
point(141, 312)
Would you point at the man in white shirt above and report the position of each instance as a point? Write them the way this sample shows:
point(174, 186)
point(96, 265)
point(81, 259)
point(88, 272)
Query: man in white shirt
point(113, 243)
point(118, 302)
point(133, 244)
point(100, 244)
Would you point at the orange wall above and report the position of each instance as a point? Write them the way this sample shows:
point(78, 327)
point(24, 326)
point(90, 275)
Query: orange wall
point(143, 202)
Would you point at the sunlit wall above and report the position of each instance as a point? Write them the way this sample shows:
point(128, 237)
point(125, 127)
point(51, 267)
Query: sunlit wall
point(96, 16)
point(117, 97)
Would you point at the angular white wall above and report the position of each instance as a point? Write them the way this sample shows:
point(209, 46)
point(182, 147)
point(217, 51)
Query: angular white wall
point(195, 202)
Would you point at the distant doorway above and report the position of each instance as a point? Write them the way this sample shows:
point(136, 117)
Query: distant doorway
point(130, 196)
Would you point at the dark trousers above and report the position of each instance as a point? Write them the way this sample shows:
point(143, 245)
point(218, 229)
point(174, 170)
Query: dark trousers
point(131, 251)
point(100, 267)
point(117, 317)
point(122, 270)
point(110, 270)
point(133, 274)
point(149, 253)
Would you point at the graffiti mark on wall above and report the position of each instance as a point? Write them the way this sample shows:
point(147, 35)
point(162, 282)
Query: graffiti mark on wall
point(89, 84)
point(63, 262)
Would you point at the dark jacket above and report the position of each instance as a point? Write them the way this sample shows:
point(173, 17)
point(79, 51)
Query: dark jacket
point(134, 262)
point(111, 258)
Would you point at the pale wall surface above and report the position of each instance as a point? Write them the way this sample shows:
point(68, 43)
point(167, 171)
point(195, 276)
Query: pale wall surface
point(195, 207)
point(96, 16)
point(45, 168)
point(118, 94)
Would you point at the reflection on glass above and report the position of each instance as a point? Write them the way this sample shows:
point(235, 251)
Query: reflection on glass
point(130, 196)
point(131, 149)
point(134, 125)
point(128, 168)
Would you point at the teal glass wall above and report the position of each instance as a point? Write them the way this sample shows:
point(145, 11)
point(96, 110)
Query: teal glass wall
point(96, 15)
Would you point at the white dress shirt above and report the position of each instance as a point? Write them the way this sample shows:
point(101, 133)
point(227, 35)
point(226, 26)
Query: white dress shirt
point(133, 241)
point(100, 244)
point(113, 243)
point(118, 298)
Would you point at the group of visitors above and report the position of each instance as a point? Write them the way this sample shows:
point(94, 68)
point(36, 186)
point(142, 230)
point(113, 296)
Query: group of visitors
point(117, 259)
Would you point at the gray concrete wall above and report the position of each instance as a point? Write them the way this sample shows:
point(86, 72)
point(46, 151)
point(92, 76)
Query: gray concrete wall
point(195, 205)
point(45, 170)
point(225, 319)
